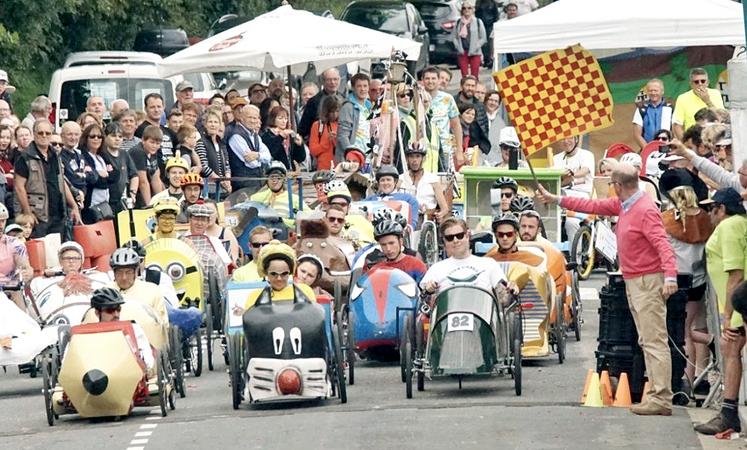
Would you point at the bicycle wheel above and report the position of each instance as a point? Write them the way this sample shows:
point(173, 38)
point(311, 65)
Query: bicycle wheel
point(582, 252)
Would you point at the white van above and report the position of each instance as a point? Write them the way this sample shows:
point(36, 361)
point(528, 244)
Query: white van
point(111, 75)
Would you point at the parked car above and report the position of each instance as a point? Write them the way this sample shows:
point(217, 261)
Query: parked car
point(440, 17)
point(397, 18)
point(113, 75)
point(162, 41)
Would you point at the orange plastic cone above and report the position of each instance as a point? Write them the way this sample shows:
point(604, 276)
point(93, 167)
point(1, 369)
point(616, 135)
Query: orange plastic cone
point(594, 396)
point(586, 386)
point(644, 397)
point(622, 396)
point(606, 386)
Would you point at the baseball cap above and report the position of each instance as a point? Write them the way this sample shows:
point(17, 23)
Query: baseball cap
point(184, 85)
point(726, 196)
point(509, 137)
point(13, 227)
point(725, 138)
point(3, 75)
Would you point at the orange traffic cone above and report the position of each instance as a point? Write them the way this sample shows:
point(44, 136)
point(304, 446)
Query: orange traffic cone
point(594, 396)
point(606, 386)
point(586, 386)
point(644, 396)
point(622, 396)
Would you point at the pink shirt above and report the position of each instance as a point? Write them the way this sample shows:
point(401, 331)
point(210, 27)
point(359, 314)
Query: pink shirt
point(642, 244)
point(10, 247)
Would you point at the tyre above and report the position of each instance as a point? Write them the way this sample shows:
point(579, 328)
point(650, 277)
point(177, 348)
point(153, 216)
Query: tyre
point(428, 243)
point(582, 252)
point(235, 351)
point(350, 354)
point(408, 366)
point(576, 306)
point(177, 362)
point(559, 331)
point(339, 365)
point(48, 381)
point(195, 353)
point(163, 384)
point(209, 334)
point(516, 350)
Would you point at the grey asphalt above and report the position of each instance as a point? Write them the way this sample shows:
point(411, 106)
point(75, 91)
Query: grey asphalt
point(485, 412)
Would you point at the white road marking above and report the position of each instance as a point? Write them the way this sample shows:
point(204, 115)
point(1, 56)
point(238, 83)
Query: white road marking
point(148, 426)
point(154, 417)
point(135, 448)
point(138, 441)
point(143, 433)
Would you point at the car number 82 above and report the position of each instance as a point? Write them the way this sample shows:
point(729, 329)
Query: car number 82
point(461, 322)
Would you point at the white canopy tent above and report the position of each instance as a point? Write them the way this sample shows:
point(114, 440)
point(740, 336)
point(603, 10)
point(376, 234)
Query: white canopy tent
point(286, 37)
point(614, 24)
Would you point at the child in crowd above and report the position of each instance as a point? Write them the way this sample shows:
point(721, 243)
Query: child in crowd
point(26, 221)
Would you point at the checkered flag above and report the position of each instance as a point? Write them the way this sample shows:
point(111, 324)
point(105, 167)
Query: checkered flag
point(555, 95)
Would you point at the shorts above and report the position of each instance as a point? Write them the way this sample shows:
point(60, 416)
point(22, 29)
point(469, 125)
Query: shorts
point(697, 293)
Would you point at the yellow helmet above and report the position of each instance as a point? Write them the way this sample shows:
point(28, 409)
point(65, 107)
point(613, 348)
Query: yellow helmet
point(191, 178)
point(166, 204)
point(176, 161)
point(276, 250)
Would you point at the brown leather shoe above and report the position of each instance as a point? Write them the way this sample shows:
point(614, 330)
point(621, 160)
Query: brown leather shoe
point(650, 409)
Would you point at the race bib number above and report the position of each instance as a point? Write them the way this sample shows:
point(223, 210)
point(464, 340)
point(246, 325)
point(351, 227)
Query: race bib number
point(461, 322)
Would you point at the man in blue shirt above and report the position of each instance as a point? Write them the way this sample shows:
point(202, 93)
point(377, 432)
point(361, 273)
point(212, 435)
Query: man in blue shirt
point(653, 115)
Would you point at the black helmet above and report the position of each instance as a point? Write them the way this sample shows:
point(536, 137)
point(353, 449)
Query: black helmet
point(506, 182)
point(414, 149)
point(124, 257)
point(137, 246)
point(322, 176)
point(387, 170)
point(276, 167)
point(106, 297)
point(386, 228)
point(521, 203)
point(506, 218)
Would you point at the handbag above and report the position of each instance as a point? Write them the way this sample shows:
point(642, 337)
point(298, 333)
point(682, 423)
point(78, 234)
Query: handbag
point(101, 211)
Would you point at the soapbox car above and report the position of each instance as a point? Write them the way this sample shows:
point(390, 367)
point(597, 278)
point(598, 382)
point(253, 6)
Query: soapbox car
point(284, 350)
point(470, 334)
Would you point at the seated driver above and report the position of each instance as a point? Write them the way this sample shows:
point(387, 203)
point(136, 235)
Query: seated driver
point(258, 238)
point(276, 265)
point(387, 178)
point(276, 195)
point(388, 234)
point(125, 263)
point(107, 304)
point(462, 268)
point(506, 231)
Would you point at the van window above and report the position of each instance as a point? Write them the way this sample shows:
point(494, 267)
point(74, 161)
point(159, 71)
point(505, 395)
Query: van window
point(75, 93)
point(196, 80)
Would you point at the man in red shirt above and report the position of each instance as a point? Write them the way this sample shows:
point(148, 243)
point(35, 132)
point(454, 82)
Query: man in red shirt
point(388, 234)
point(649, 269)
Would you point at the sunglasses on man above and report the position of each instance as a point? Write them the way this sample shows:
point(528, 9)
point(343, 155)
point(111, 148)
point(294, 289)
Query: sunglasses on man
point(454, 237)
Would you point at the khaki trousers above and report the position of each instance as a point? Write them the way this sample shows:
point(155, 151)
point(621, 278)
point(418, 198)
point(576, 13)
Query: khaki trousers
point(649, 310)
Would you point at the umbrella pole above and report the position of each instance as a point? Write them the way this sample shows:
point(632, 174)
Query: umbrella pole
point(291, 106)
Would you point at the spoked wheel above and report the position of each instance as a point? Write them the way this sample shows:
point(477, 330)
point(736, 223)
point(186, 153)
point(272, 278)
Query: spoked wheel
point(49, 379)
point(235, 352)
point(209, 334)
point(194, 353)
point(408, 366)
point(582, 252)
point(402, 341)
point(177, 360)
point(428, 245)
point(576, 306)
point(559, 331)
point(339, 364)
point(350, 354)
point(417, 353)
point(516, 349)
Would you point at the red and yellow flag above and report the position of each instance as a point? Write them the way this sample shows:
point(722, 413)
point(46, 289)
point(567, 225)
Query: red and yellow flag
point(555, 95)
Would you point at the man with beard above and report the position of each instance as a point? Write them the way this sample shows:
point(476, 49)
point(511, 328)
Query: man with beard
point(192, 190)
